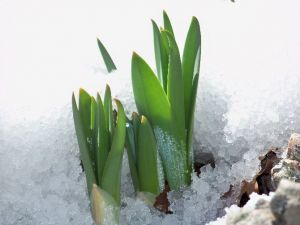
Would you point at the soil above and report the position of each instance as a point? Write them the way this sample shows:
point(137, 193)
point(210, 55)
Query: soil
point(162, 203)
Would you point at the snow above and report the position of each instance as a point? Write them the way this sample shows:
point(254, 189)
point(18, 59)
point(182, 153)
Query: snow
point(248, 98)
point(254, 202)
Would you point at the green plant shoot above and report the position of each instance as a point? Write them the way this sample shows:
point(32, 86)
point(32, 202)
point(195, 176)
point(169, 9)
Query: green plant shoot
point(101, 142)
point(144, 159)
point(168, 99)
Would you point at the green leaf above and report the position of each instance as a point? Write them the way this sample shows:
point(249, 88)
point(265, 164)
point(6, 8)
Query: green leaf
point(175, 87)
point(191, 57)
point(170, 43)
point(131, 148)
point(191, 123)
point(167, 23)
point(161, 56)
point(136, 122)
point(105, 211)
point(83, 147)
point(94, 135)
point(165, 42)
point(166, 50)
point(151, 101)
point(110, 66)
point(111, 178)
point(147, 159)
point(108, 112)
point(85, 113)
point(150, 98)
point(102, 139)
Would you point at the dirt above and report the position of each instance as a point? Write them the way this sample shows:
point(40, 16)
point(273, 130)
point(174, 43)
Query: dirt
point(162, 203)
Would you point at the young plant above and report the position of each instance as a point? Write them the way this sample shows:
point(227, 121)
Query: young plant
point(168, 99)
point(101, 142)
point(144, 159)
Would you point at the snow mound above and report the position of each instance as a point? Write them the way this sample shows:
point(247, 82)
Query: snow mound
point(248, 100)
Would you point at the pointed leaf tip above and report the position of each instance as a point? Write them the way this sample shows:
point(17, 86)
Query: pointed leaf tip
point(167, 23)
point(135, 55)
point(110, 66)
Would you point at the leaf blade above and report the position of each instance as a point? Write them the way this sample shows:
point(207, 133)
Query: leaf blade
point(111, 178)
point(94, 135)
point(108, 112)
point(161, 57)
point(175, 87)
point(151, 101)
point(85, 113)
point(191, 57)
point(102, 139)
point(83, 147)
point(167, 23)
point(110, 65)
point(147, 159)
point(130, 145)
point(191, 125)
point(150, 98)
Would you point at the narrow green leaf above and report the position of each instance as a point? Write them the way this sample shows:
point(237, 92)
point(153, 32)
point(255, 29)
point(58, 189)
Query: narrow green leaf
point(191, 57)
point(94, 134)
point(85, 113)
point(170, 43)
point(167, 23)
point(102, 139)
point(136, 122)
point(166, 50)
point(191, 124)
point(175, 87)
point(131, 148)
point(83, 147)
point(165, 42)
point(157, 51)
point(111, 178)
point(105, 211)
point(161, 56)
point(108, 112)
point(110, 66)
point(147, 159)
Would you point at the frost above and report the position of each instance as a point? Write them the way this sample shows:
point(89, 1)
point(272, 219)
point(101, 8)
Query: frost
point(161, 175)
point(173, 154)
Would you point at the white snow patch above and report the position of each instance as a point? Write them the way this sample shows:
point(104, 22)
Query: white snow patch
point(248, 98)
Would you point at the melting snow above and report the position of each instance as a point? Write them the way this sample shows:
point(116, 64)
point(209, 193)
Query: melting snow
point(248, 98)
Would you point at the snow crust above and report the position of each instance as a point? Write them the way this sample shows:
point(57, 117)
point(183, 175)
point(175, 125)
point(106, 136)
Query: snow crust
point(248, 99)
